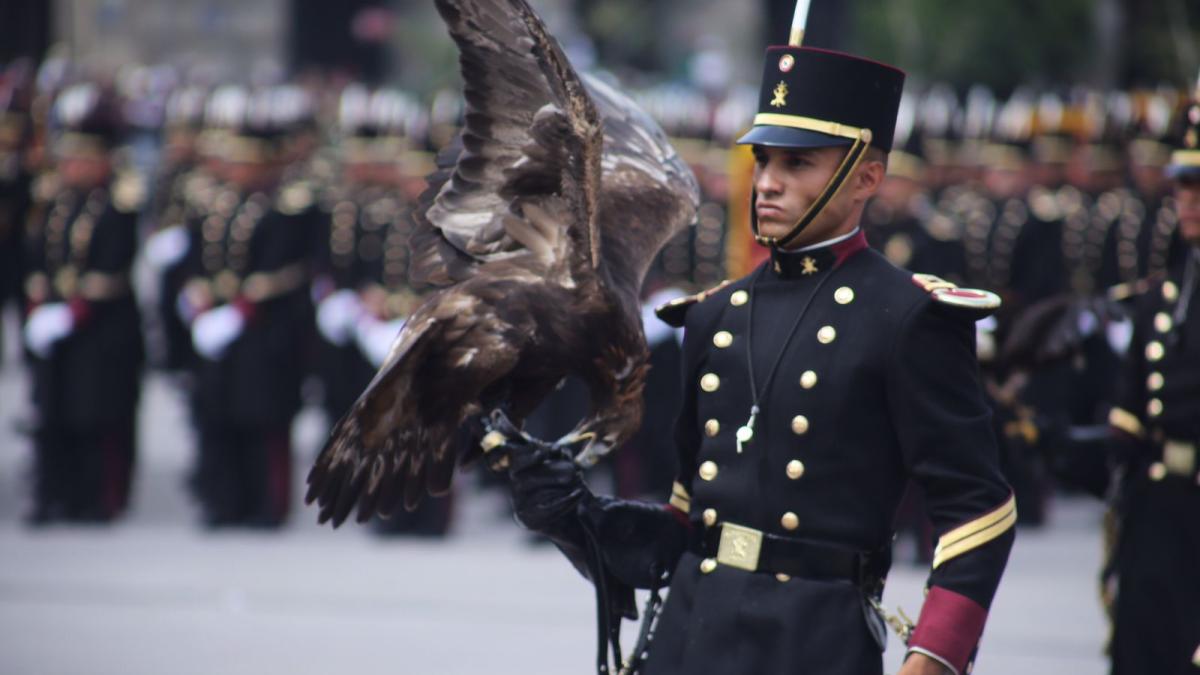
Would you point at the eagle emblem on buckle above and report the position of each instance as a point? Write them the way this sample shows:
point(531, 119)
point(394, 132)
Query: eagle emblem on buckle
point(739, 547)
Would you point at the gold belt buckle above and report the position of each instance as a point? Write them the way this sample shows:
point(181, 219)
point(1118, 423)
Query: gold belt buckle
point(1179, 457)
point(739, 547)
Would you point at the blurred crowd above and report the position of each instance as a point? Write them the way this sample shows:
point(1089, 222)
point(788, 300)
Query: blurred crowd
point(251, 240)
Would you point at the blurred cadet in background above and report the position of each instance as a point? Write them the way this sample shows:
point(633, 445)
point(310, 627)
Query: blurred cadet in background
point(182, 187)
point(83, 330)
point(361, 287)
point(16, 133)
point(247, 306)
point(1157, 426)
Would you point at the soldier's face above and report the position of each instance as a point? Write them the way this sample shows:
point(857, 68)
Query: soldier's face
point(788, 180)
point(1187, 199)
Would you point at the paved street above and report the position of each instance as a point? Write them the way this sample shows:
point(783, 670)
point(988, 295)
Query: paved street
point(156, 594)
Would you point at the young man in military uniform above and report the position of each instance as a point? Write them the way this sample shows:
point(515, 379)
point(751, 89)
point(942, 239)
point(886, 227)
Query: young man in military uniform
point(814, 389)
point(83, 329)
point(247, 307)
point(1157, 423)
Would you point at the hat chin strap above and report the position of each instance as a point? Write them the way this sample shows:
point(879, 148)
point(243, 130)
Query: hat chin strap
point(849, 163)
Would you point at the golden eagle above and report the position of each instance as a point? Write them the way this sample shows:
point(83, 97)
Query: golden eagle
point(540, 222)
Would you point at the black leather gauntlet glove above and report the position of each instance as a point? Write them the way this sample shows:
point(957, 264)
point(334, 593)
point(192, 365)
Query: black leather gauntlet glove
point(640, 543)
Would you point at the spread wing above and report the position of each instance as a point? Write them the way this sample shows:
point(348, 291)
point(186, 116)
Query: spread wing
point(648, 193)
point(522, 180)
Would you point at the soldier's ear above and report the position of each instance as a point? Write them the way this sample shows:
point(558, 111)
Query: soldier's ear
point(869, 177)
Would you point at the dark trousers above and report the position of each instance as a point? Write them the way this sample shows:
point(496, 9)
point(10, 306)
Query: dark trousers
point(82, 473)
point(244, 474)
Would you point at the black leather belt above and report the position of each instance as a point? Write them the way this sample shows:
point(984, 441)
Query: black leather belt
point(755, 551)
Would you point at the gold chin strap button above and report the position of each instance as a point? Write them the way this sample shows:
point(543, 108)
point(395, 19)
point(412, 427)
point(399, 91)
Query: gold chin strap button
point(708, 470)
point(710, 517)
point(790, 521)
point(722, 339)
point(708, 565)
point(739, 298)
point(808, 380)
point(712, 428)
point(826, 335)
point(795, 469)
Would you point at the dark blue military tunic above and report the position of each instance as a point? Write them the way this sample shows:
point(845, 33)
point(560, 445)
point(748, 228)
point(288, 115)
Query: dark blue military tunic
point(1156, 623)
point(877, 386)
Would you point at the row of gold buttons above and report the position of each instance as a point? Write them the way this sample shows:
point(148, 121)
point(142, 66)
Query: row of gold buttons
point(711, 382)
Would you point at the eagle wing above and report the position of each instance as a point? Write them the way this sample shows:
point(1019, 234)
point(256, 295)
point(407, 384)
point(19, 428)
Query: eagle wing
point(522, 179)
point(648, 193)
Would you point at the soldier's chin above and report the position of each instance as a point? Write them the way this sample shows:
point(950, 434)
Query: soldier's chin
point(773, 229)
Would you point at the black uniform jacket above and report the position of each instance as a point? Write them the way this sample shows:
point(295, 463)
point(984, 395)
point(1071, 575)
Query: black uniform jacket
point(1157, 625)
point(878, 385)
point(265, 249)
point(81, 248)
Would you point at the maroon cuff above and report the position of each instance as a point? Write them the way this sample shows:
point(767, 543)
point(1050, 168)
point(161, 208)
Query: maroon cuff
point(950, 626)
point(244, 307)
point(80, 310)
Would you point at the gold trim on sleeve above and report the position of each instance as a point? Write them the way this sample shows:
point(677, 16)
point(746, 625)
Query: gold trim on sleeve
point(976, 533)
point(680, 498)
point(1126, 421)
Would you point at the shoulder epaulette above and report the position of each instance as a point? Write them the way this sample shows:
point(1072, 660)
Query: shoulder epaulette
point(674, 313)
point(129, 192)
point(977, 302)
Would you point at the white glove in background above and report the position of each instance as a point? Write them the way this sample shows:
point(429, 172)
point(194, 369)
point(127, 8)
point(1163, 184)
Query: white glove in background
point(337, 314)
point(375, 338)
point(214, 330)
point(46, 325)
point(985, 338)
point(655, 329)
point(167, 246)
point(1119, 334)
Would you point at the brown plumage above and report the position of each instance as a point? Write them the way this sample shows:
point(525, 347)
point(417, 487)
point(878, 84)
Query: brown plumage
point(540, 223)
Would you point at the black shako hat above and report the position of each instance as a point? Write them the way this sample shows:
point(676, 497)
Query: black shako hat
point(815, 98)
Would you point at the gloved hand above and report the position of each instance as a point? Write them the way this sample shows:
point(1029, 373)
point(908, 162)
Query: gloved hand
point(214, 330)
point(46, 325)
point(337, 314)
point(167, 246)
point(547, 484)
point(374, 337)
